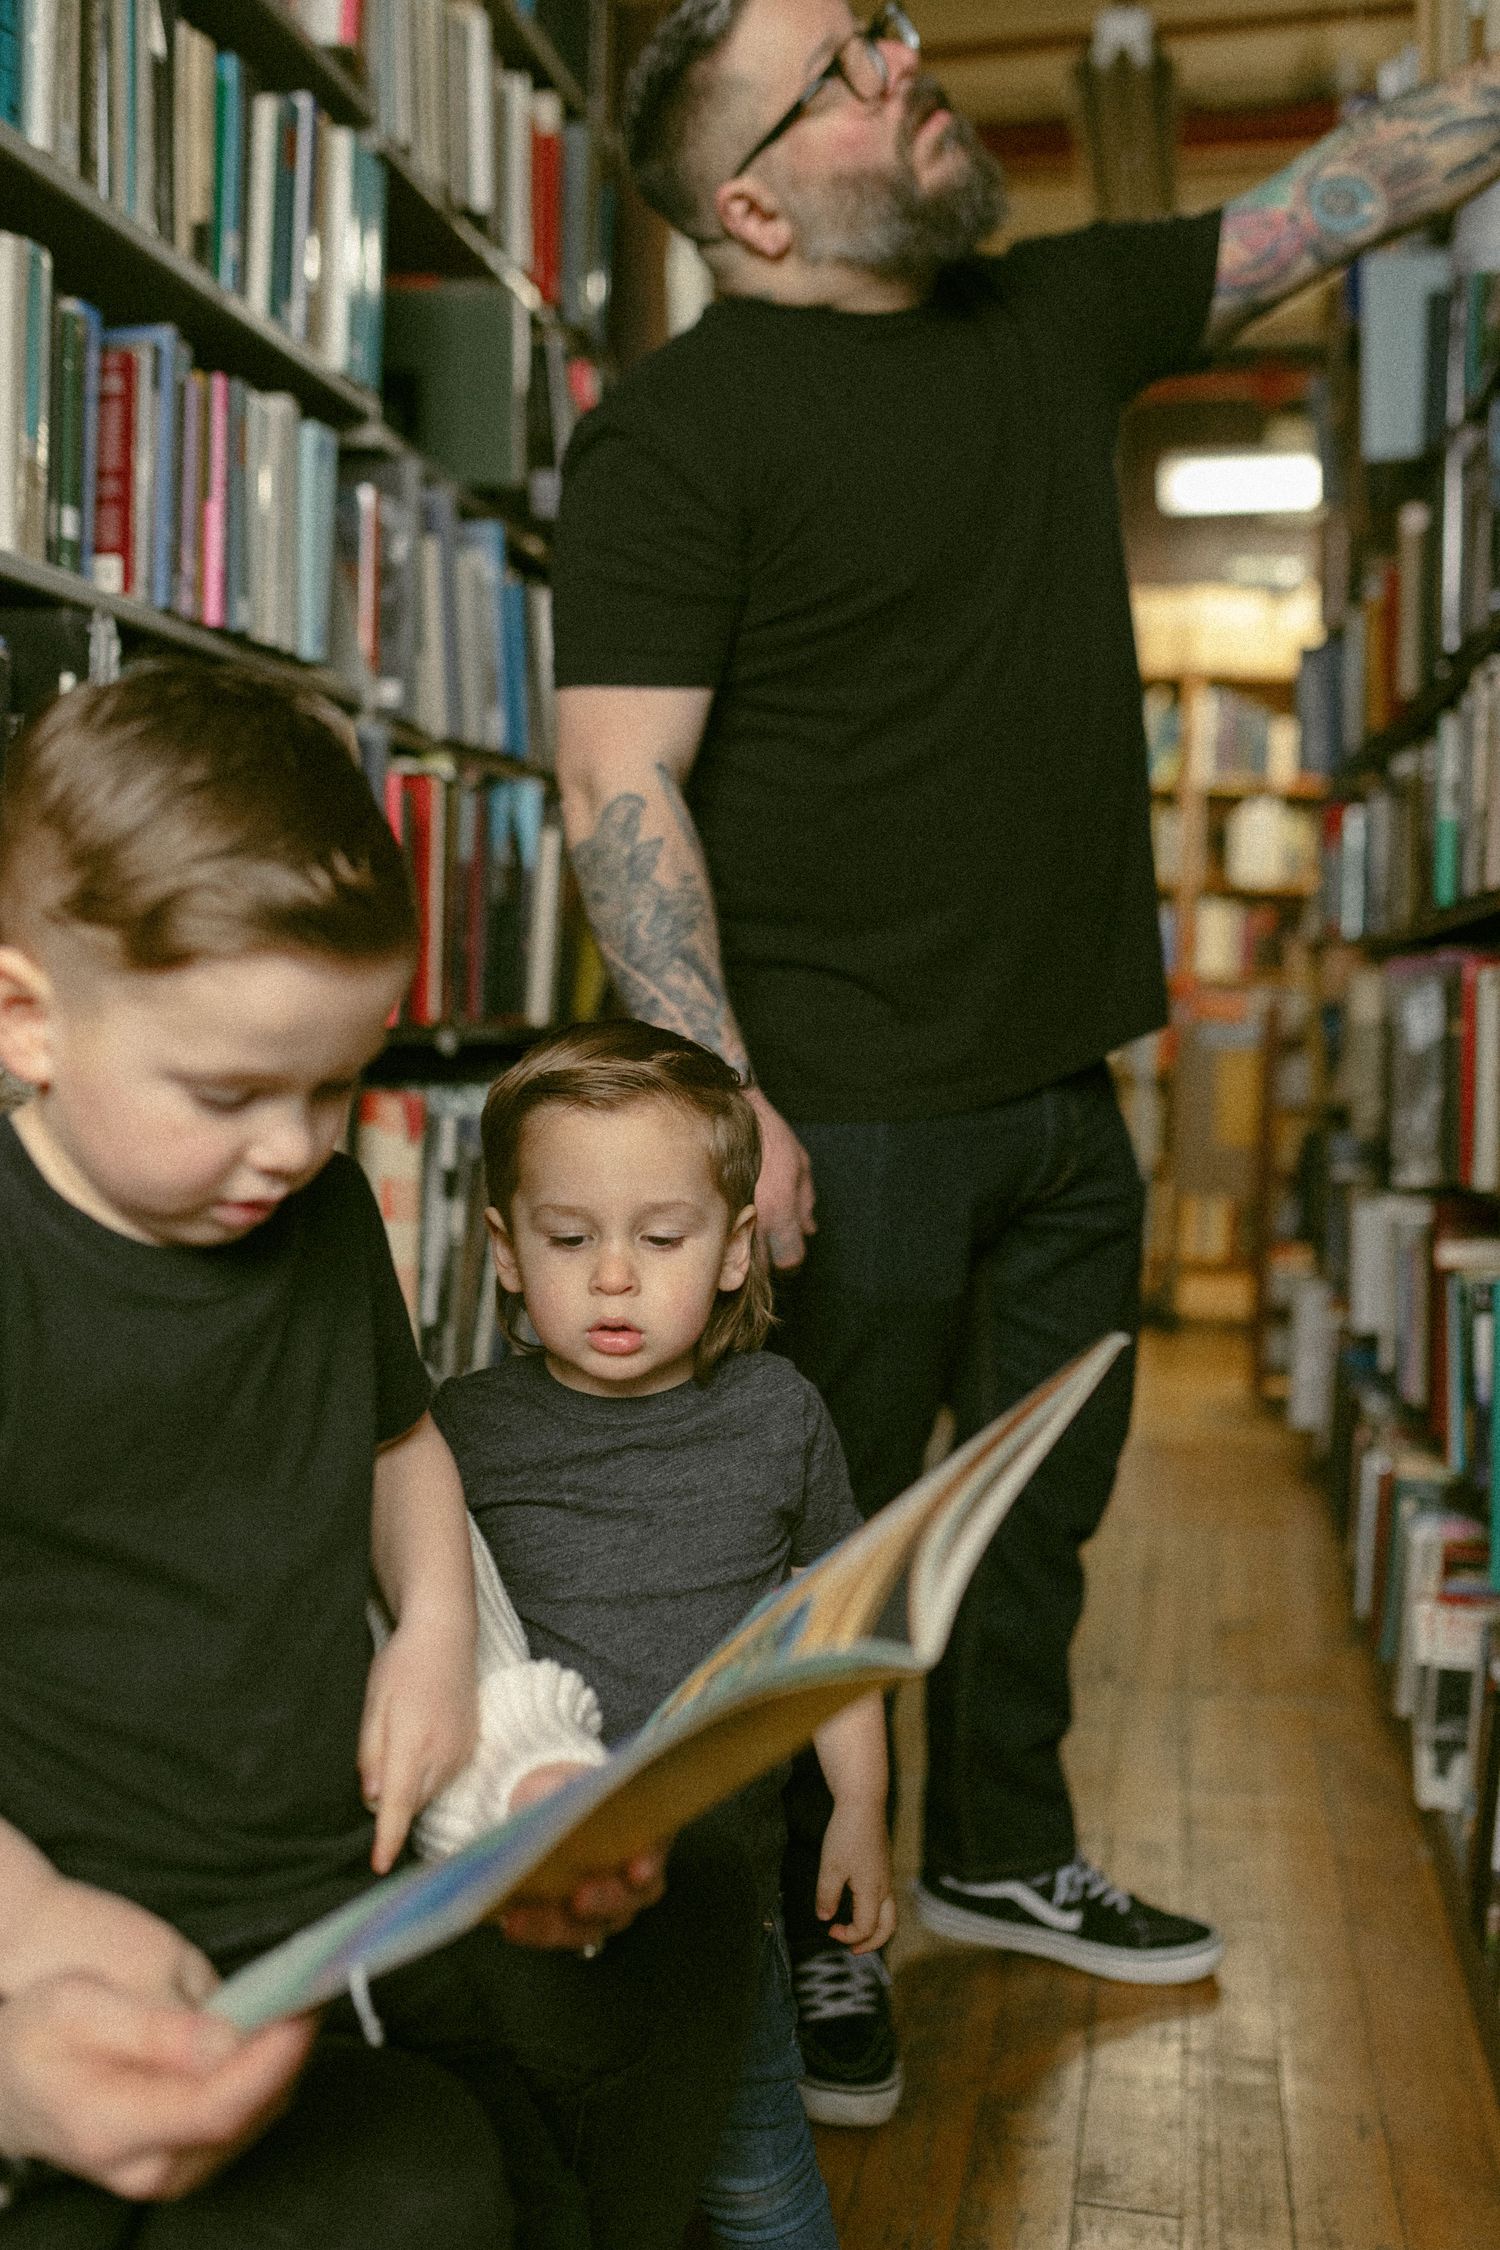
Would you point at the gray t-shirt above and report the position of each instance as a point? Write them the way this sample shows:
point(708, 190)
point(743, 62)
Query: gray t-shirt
point(633, 1534)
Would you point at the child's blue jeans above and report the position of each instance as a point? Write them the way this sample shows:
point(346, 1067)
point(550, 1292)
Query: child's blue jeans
point(764, 2185)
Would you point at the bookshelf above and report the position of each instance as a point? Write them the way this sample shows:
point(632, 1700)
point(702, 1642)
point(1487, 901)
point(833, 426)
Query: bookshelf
point(505, 957)
point(1391, 1368)
point(1225, 753)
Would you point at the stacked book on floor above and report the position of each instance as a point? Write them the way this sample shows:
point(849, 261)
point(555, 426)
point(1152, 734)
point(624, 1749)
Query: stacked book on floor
point(282, 206)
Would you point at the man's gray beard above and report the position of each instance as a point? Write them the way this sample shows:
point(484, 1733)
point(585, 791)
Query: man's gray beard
point(892, 225)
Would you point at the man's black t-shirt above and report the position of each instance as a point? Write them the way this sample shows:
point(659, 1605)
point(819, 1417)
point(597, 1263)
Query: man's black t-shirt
point(187, 1441)
point(890, 543)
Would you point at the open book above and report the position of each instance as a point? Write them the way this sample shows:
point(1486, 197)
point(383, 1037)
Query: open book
point(814, 1645)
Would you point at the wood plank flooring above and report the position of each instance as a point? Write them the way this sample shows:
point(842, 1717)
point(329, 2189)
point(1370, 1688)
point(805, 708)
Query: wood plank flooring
point(1327, 2090)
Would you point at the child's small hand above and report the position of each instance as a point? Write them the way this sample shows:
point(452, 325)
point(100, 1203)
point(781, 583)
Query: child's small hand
point(75, 1929)
point(420, 1720)
point(857, 1854)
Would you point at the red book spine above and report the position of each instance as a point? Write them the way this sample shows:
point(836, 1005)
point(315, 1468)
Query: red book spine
point(546, 212)
point(114, 478)
point(427, 983)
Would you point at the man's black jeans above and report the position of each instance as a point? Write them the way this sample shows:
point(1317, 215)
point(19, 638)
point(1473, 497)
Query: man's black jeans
point(958, 1261)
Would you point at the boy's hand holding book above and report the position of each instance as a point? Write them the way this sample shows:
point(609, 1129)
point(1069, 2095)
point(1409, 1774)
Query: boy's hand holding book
point(601, 1905)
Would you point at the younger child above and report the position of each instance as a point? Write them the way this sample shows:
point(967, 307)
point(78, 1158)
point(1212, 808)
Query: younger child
point(213, 1426)
point(649, 1474)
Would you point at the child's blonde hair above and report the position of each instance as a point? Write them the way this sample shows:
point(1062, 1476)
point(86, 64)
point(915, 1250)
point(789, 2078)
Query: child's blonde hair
point(198, 811)
point(609, 1066)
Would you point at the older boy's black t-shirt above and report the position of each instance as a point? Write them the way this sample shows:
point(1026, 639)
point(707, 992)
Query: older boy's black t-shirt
point(187, 1440)
point(890, 543)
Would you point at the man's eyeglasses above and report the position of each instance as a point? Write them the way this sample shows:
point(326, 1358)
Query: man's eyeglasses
point(860, 64)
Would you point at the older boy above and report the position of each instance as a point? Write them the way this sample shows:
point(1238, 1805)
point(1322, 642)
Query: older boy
point(213, 1426)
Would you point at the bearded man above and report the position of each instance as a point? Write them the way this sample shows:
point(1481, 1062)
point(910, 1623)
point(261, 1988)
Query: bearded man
point(853, 773)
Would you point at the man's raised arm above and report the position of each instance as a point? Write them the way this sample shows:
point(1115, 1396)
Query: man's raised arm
point(1387, 169)
point(622, 757)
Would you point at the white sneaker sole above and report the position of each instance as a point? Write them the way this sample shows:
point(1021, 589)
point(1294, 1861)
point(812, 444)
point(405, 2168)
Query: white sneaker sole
point(853, 2105)
point(1170, 1964)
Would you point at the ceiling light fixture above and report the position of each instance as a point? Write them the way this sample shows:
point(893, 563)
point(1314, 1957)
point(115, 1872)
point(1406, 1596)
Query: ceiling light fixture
point(1239, 484)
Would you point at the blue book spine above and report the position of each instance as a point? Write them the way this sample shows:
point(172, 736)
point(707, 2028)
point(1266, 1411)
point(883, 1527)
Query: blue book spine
point(229, 182)
point(169, 360)
point(10, 62)
point(93, 330)
point(517, 710)
point(317, 481)
point(281, 210)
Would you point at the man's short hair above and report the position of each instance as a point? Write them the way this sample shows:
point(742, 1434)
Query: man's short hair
point(614, 1065)
point(195, 810)
point(666, 97)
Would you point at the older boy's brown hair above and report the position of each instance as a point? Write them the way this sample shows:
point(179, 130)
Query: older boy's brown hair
point(198, 811)
point(609, 1066)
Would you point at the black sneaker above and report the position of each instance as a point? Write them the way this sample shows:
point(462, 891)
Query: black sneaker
point(851, 2072)
point(1075, 1915)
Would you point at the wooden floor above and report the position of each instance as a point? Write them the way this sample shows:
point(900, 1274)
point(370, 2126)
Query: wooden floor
point(1326, 2091)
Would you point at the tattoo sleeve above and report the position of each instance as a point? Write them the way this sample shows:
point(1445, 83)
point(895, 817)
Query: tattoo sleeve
point(1387, 169)
point(646, 890)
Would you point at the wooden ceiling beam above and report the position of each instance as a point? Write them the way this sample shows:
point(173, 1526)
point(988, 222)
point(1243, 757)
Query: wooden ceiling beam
point(1227, 26)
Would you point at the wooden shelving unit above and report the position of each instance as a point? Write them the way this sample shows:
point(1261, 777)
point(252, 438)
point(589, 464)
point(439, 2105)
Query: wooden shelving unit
point(131, 273)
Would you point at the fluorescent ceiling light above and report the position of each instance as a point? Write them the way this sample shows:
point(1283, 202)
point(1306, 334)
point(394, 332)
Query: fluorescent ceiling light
point(1239, 484)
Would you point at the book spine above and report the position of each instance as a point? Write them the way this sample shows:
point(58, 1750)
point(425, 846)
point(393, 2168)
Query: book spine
point(67, 143)
point(10, 62)
point(187, 599)
point(38, 73)
point(237, 532)
point(229, 172)
point(260, 201)
point(37, 401)
point(93, 329)
point(65, 483)
point(163, 42)
point(215, 508)
point(143, 139)
point(114, 544)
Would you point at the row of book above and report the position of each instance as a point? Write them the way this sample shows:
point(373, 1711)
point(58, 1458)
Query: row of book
point(420, 1150)
point(181, 486)
point(429, 620)
point(495, 145)
point(1425, 835)
point(1417, 1071)
point(1435, 592)
point(472, 381)
point(1430, 345)
point(1265, 844)
point(1415, 1516)
point(1235, 737)
point(281, 205)
point(486, 856)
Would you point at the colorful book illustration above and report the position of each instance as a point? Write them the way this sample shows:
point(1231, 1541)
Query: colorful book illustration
point(800, 1656)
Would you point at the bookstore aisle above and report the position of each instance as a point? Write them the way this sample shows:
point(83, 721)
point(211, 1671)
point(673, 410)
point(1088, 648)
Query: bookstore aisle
point(1327, 2091)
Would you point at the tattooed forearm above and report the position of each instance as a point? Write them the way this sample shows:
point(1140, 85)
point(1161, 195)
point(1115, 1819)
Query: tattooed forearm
point(1387, 169)
point(652, 912)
